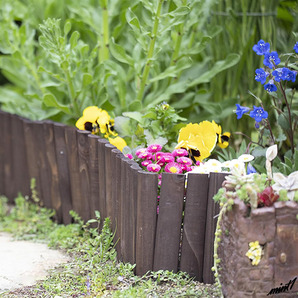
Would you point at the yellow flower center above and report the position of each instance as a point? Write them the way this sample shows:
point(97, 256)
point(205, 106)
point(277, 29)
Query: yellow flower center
point(173, 169)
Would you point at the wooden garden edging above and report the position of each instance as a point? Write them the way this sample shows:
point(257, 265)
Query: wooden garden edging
point(78, 171)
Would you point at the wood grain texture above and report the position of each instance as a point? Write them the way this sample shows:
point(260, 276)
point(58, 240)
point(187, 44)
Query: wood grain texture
point(194, 224)
point(168, 232)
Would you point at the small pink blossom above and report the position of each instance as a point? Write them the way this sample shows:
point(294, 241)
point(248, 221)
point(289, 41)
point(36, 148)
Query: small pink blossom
point(154, 148)
point(146, 162)
point(129, 156)
point(153, 167)
point(139, 151)
point(198, 163)
point(184, 160)
point(159, 155)
point(173, 167)
point(180, 152)
point(168, 157)
point(145, 155)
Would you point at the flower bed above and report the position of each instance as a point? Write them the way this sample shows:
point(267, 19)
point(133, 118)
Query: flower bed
point(77, 170)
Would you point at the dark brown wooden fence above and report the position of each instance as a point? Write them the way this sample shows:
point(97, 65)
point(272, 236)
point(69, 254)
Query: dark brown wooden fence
point(78, 171)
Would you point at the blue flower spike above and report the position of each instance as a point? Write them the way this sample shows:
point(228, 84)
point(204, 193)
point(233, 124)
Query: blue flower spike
point(271, 59)
point(258, 113)
point(241, 110)
point(270, 87)
point(261, 47)
point(261, 75)
point(296, 47)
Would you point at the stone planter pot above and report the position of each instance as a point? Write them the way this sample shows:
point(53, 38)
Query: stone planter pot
point(276, 229)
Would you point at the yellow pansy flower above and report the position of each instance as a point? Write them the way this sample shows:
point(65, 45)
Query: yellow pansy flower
point(118, 142)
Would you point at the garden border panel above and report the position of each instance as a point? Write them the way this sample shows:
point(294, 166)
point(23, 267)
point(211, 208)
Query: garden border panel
point(102, 179)
point(93, 174)
point(215, 182)
point(146, 221)
point(20, 169)
point(2, 152)
point(169, 220)
point(74, 170)
point(83, 152)
point(52, 185)
point(63, 171)
point(8, 181)
point(193, 238)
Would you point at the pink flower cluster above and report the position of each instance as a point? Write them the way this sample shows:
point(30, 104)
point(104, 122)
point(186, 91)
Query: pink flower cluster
point(154, 160)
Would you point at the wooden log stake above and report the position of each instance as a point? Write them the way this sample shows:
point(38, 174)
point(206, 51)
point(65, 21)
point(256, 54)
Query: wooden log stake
point(168, 232)
point(194, 223)
point(215, 182)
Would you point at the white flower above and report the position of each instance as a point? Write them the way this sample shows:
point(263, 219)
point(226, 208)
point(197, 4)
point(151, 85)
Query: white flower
point(237, 167)
point(246, 157)
point(213, 163)
point(289, 183)
point(271, 152)
point(226, 164)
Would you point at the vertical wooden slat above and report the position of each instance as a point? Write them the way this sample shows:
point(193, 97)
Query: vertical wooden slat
point(8, 183)
point(193, 239)
point(50, 181)
point(127, 212)
point(74, 170)
point(102, 179)
point(132, 198)
point(168, 232)
point(120, 181)
point(63, 171)
point(93, 174)
point(109, 180)
point(21, 181)
point(146, 221)
point(83, 150)
point(31, 141)
point(215, 182)
point(116, 166)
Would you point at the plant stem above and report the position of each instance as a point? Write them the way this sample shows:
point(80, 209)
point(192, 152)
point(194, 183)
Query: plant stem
point(72, 92)
point(104, 48)
point(291, 135)
point(150, 53)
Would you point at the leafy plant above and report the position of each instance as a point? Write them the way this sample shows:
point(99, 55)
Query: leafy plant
point(118, 56)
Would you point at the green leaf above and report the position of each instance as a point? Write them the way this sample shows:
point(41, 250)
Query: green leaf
point(67, 27)
point(119, 53)
point(134, 115)
point(87, 79)
point(50, 101)
point(219, 66)
point(123, 126)
point(74, 39)
point(174, 70)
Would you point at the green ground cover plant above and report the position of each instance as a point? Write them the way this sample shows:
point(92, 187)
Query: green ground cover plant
point(93, 270)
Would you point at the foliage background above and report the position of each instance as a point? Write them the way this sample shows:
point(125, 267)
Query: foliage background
point(198, 55)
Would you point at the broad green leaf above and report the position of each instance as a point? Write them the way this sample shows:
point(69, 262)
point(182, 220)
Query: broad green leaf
point(134, 115)
point(119, 53)
point(173, 71)
point(219, 66)
point(51, 101)
point(123, 126)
